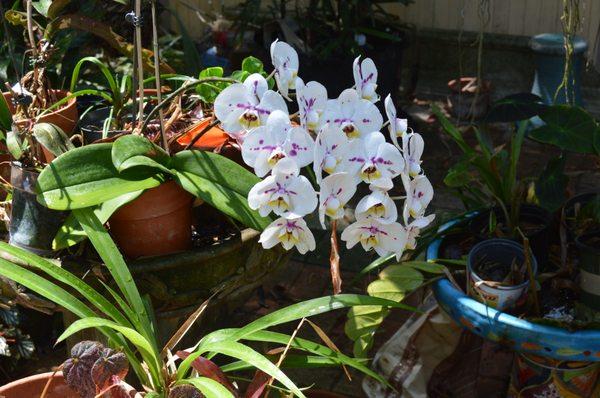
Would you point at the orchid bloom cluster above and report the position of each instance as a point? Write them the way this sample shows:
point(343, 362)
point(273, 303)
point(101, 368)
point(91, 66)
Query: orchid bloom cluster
point(342, 140)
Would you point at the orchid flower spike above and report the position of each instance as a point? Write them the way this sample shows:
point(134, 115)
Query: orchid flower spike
point(383, 238)
point(312, 99)
point(355, 116)
point(412, 148)
point(365, 78)
point(264, 146)
point(398, 127)
point(414, 229)
point(418, 196)
point(330, 150)
point(285, 61)
point(374, 161)
point(377, 206)
point(290, 233)
point(244, 106)
point(285, 192)
point(336, 190)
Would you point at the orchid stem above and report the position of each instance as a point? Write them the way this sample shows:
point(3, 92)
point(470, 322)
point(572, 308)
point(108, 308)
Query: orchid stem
point(334, 260)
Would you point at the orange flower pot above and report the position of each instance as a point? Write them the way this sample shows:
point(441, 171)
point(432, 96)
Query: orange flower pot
point(158, 222)
point(33, 386)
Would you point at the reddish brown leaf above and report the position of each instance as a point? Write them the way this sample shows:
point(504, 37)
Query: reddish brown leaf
point(185, 391)
point(258, 385)
point(208, 368)
point(77, 369)
point(112, 366)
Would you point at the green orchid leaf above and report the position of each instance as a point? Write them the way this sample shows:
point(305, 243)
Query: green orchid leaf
point(5, 115)
point(568, 127)
point(134, 150)
point(71, 233)
point(220, 182)
point(515, 107)
point(15, 146)
point(52, 138)
point(551, 186)
point(86, 176)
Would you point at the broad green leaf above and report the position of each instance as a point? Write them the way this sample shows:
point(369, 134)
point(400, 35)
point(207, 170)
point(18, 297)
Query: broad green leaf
point(67, 278)
point(406, 279)
point(551, 186)
point(223, 199)
point(242, 352)
point(426, 266)
point(240, 75)
point(458, 175)
point(514, 108)
point(5, 115)
point(134, 150)
point(208, 91)
point(213, 71)
point(15, 146)
point(86, 177)
point(208, 387)
point(252, 65)
point(56, 7)
point(42, 6)
point(71, 233)
point(52, 138)
point(568, 127)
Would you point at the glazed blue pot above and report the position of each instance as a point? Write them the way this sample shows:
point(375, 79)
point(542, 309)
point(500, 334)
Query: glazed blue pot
point(504, 328)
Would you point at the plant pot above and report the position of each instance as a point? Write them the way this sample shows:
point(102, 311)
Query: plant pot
point(502, 253)
point(158, 222)
point(572, 208)
point(32, 226)
point(91, 125)
point(465, 102)
point(534, 376)
point(65, 117)
point(214, 140)
point(536, 218)
point(588, 247)
point(516, 333)
point(33, 386)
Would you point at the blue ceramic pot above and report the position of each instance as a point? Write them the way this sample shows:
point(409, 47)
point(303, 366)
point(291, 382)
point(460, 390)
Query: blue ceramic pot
point(501, 327)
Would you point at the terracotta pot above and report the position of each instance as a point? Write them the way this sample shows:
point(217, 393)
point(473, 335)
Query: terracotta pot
point(214, 138)
point(33, 386)
point(158, 222)
point(65, 117)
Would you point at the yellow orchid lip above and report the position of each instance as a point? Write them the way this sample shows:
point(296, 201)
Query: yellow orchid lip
point(249, 120)
point(370, 173)
point(279, 203)
point(288, 236)
point(331, 212)
point(377, 210)
point(369, 241)
point(276, 158)
point(351, 131)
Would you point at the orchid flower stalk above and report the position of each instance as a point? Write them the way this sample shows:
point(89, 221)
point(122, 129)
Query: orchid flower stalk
point(341, 140)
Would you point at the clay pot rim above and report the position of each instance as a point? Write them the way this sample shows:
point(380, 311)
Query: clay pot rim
point(40, 376)
point(72, 103)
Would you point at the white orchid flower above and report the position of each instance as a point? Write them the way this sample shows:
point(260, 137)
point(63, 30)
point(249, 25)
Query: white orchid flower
point(312, 99)
point(285, 61)
point(285, 192)
point(290, 233)
point(414, 229)
point(356, 116)
point(336, 190)
point(374, 161)
point(365, 78)
point(418, 196)
point(412, 148)
point(383, 238)
point(330, 150)
point(397, 127)
point(377, 206)
point(257, 85)
point(264, 146)
point(239, 108)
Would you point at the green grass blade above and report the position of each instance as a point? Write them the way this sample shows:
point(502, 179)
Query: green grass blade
point(208, 387)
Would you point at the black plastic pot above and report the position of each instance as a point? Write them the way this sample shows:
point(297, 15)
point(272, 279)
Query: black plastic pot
point(588, 247)
point(91, 125)
point(570, 208)
point(501, 253)
point(539, 239)
point(32, 226)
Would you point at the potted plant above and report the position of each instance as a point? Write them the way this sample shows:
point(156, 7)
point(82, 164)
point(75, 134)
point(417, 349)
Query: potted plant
point(128, 325)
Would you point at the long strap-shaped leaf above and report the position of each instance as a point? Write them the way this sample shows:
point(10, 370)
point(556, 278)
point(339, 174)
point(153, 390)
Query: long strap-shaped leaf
point(113, 260)
point(240, 351)
point(208, 387)
point(66, 300)
point(64, 276)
